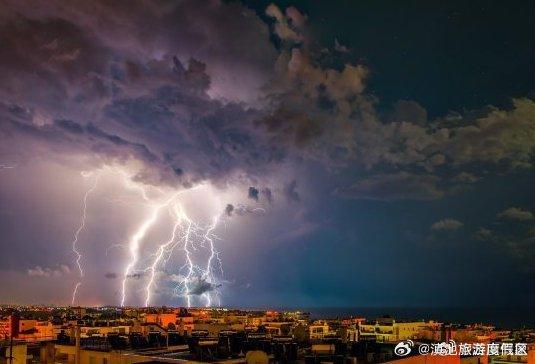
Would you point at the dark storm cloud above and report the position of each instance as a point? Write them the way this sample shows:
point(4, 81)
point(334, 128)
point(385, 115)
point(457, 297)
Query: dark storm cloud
point(201, 286)
point(149, 30)
point(136, 275)
point(253, 193)
point(111, 275)
point(228, 209)
point(103, 86)
point(105, 89)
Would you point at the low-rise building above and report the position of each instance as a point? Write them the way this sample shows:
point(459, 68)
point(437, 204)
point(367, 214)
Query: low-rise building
point(387, 329)
point(319, 329)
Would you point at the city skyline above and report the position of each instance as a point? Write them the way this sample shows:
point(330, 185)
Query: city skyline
point(259, 154)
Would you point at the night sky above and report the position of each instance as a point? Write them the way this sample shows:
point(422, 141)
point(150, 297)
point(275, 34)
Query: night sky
point(336, 153)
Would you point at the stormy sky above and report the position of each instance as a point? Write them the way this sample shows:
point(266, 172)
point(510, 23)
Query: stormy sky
point(364, 153)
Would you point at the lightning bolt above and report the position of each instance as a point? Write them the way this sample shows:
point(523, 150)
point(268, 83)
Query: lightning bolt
point(77, 234)
point(192, 240)
point(161, 251)
point(75, 291)
point(136, 240)
point(192, 237)
point(208, 276)
point(164, 251)
point(134, 246)
point(189, 263)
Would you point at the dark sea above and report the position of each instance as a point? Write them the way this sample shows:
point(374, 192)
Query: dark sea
point(510, 318)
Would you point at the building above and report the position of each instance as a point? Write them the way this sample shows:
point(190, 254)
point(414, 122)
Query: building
point(166, 320)
point(20, 355)
point(319, 329)
point(387, 329)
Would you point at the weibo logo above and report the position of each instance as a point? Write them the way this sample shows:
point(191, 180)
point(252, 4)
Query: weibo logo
point(404, 348)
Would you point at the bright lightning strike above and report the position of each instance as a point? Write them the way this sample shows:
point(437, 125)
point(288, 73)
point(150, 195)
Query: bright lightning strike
point(75, 291)
point(137, 238)
point(192, 237)
point(189, 264)
point(196, 240)
point(208, 276)
point(134, 246)
point(177, 212)
point(77, 234)
point(199, 280)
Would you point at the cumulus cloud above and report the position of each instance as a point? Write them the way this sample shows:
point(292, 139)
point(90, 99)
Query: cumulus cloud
point(39, 271)
point(197, 286)
point(200, 286)
point(483, 234)
point(518, 245)
point(493, 136)
point(287, 26)
point(394, 187)
point(465, 177)
point(516, 213)
point(409, 111)
point(340, 47)
point(447, 225)
point(242, 210)
point(249, 210)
